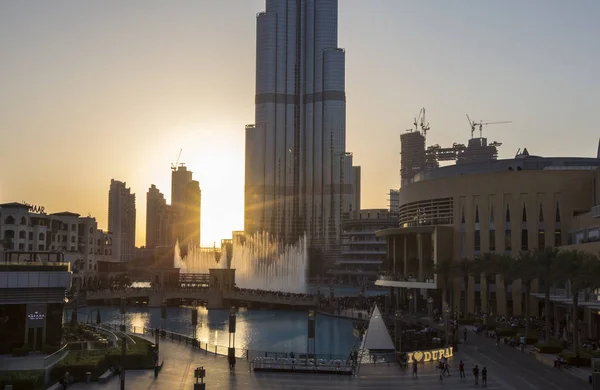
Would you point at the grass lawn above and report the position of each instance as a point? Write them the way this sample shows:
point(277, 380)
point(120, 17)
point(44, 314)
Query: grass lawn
point(23, 380)
point(78, 363)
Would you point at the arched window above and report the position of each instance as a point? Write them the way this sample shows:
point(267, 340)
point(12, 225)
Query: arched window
point(91, 230)
point(73, 227)
point(10, 220)
point(9, 234)
point(41, 237)
point(23, 221)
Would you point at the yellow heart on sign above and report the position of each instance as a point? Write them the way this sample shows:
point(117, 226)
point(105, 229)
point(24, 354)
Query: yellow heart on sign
point(418, 356)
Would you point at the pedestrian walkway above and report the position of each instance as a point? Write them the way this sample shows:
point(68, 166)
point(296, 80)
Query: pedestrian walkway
point(508, 369)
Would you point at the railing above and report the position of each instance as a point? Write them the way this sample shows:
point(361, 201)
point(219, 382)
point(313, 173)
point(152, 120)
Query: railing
point(401, 278)
point(56, 356)
point(221, 350)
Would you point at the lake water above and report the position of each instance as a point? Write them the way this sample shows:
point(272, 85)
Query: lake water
point(257, 330)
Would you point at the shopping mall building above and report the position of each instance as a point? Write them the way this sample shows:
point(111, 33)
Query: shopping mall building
point(499, 206)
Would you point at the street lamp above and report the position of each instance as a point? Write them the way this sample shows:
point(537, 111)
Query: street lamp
point(447, 320)
point(410, 303)
point(430, 311)
point(398, 330)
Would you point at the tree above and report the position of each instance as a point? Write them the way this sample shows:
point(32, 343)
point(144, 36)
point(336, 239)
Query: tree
point(505, 268)
point(484, 266)
point(546, 259)
point(446, 271)
point(580, 268)
point(526, 269)
point(465, 269)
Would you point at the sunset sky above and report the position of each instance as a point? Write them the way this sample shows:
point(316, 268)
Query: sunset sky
point(91, 91)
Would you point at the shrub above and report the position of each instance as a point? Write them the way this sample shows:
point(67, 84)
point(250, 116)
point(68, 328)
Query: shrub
point(584, 358)
point(548, 348)
point(78, 363)
point(21, 351)
point(22, 380)
point(507, 332)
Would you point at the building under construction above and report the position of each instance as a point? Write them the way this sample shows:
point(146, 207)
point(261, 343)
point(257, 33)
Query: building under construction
point(417, 157)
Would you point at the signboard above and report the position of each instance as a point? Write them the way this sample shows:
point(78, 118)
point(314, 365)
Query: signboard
point(35, 209)
point(432, 355)
point(36, 315)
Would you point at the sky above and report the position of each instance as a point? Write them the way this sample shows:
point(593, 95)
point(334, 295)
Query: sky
point(91, 91)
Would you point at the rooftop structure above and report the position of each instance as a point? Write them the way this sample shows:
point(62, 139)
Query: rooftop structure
point(417, 157)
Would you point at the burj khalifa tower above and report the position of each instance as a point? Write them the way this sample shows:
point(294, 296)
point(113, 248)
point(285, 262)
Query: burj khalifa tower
point(298, 176)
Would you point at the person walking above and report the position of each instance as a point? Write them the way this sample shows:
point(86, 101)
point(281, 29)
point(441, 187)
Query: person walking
point(484, 377)
point(498, 339)
point(461, 369)
point(446, 367)
point(476, 374)
point(465, 335)
point(414, 370)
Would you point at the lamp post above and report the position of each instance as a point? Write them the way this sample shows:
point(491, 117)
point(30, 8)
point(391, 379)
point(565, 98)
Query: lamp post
point(311, 335)
point(123, 311)
point(195, 321)
point(430, 311)
point(410, 303)
point(398, 330)
point(231, 348)
point(446, 321)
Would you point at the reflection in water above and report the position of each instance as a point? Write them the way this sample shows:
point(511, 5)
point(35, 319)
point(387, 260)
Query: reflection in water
point(258, 330)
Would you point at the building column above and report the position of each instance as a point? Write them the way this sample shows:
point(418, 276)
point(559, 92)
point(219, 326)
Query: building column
point(420, 256)
point(587, 316)
point(405, 256)
point(555, 306)
point(394, 255)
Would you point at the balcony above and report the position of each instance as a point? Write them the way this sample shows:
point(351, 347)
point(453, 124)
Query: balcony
point(350, 252)
point(400, 281)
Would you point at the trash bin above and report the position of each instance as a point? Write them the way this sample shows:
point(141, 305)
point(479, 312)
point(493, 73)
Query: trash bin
point(88, 377)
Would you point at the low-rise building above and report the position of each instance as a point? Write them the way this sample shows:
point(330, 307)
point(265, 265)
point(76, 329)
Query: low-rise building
point(28, 228)
point(362, 251)
point(32, 294)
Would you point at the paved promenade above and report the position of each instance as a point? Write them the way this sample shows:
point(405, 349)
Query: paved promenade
point(508, 369)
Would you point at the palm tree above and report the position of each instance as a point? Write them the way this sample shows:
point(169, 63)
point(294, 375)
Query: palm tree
point(547, 271)
point(465, 269)
point(505, 268)
point(580, 268)
point(446, 271)
point(484, 266)
point(526, 269)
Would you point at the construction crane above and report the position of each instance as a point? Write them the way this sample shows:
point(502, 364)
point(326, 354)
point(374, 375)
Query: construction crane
point(474, 125)
point(416, 122)
point(174, 166)
point(424, 127)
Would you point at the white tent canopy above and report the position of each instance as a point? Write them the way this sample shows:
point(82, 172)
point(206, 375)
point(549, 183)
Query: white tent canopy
point(377, 337)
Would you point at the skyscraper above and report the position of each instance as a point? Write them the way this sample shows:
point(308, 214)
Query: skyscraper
point(121, 220)
point(298, 176)
point(158, 220)
point(185, 207)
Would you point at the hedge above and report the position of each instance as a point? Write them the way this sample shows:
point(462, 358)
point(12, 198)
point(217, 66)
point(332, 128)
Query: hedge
point(22, 380)
point(548, 348)
point(507, 332)
point(97, 362)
